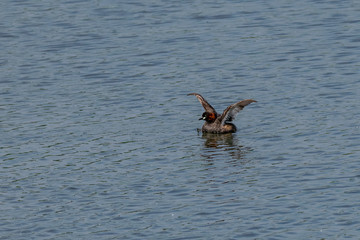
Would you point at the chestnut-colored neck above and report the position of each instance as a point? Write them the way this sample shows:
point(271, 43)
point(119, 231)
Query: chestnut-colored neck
point(211, 117)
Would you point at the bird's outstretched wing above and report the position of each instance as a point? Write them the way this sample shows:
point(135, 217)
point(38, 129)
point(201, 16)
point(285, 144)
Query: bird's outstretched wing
point(231, 111)
point(204, 103)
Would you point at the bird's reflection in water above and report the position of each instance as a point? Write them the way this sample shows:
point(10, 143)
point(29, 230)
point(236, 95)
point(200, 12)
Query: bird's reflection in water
point(223, 146)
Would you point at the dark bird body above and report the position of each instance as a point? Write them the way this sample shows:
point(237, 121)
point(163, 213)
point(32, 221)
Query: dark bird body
point(220, 123)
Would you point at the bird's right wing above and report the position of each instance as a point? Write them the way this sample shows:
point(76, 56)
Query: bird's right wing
point(204, 103)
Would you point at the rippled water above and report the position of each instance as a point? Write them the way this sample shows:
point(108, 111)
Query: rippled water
point(99, 139)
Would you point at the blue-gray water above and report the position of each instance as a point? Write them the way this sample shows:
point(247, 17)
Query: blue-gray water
point(99, 140)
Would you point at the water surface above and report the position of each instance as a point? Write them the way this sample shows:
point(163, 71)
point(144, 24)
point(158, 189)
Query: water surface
point(99, 138)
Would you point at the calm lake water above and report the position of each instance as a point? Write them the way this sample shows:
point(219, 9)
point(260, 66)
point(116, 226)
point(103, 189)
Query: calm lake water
point(99, 139)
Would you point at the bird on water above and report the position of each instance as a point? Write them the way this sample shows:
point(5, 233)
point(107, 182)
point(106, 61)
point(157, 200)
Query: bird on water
point(220, 123)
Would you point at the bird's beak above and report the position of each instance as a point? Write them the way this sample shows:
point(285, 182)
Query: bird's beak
point(202, 118)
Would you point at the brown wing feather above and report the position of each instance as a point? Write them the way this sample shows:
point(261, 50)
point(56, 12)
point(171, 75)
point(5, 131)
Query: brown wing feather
point(231, 111)
point(204, 103)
